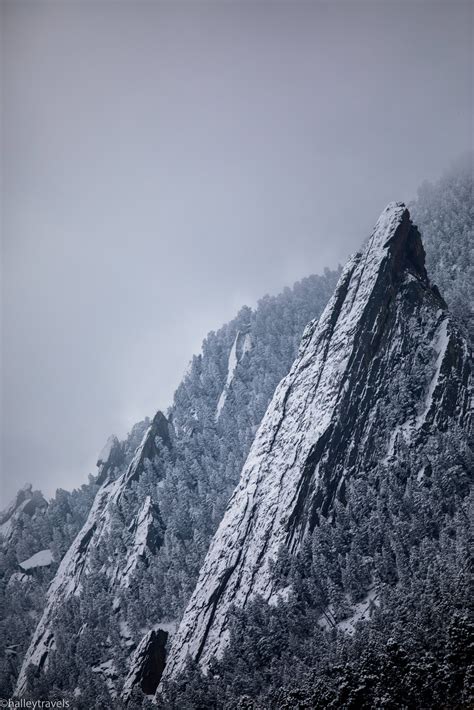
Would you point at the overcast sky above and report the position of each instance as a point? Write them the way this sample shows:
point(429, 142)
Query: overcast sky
point(165, 163)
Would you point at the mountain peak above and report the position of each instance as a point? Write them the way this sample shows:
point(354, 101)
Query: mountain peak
point(395, 234)
point(327, 422)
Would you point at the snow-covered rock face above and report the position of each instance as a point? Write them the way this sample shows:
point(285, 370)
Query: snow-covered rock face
point(145, 537)
point(327, 421)
point(27, 502)
point(76, 561)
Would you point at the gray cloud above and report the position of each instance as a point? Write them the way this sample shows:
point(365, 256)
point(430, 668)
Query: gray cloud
point(164, 163)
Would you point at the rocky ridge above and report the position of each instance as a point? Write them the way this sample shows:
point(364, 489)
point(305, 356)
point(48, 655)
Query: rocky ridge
point(327, 422)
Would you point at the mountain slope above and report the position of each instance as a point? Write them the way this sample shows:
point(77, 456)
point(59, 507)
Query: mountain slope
point(210, 433)
point(328, 422)
point(213, 420)
point(77, 560)
point(27, 502)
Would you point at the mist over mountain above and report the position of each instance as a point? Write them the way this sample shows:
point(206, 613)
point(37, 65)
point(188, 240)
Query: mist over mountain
point(293, 531)
point(166, 162)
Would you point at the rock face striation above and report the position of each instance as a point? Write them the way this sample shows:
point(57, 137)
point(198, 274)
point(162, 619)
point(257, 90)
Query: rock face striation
point(384, 367)
point(76, 562)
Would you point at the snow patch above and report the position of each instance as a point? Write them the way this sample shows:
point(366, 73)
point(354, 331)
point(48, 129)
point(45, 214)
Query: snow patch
point(242, 344)
point(231, 365)
point(247, 344)
point(43, 558)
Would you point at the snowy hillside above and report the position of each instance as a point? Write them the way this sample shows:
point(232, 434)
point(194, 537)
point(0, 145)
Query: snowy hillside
point(327, 422)
point(336, 503)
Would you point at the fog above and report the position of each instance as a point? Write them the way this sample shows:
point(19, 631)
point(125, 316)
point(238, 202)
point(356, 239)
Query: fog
point(165, 163)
